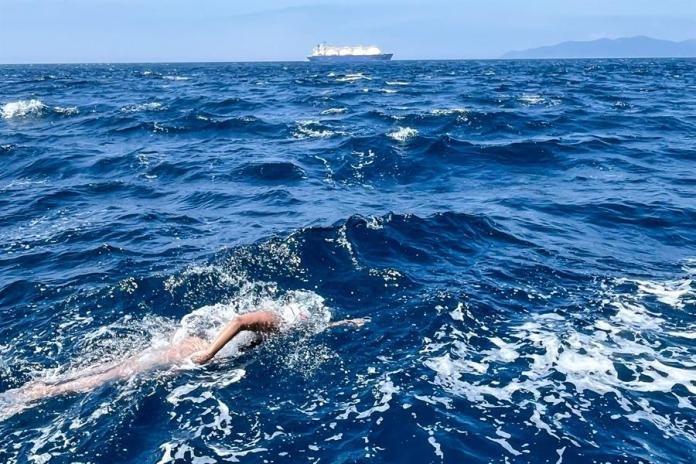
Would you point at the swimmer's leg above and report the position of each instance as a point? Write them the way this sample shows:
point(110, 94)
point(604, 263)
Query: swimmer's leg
point(90, 382)
point(36, 390)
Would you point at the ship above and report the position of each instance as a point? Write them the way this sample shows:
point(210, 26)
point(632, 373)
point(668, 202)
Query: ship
point(330, 54)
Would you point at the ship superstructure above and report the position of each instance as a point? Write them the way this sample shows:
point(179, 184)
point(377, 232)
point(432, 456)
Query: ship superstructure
point(331, 53)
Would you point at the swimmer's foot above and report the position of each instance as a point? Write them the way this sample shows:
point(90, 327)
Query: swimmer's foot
point(9, 406)
point(18, 399)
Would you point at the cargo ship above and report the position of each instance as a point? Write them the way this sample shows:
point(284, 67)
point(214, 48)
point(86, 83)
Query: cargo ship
point(330, 54)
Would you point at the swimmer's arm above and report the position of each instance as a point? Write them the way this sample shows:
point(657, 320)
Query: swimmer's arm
point(258, 321)
point(358, 322)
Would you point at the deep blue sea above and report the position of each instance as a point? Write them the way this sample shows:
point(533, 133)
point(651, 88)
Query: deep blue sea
point(522, 235)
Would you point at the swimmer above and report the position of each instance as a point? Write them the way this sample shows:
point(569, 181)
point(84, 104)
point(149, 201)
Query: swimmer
point(192, 348)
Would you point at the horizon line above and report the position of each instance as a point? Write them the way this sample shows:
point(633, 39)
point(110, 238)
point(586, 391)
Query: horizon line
point(385, 63)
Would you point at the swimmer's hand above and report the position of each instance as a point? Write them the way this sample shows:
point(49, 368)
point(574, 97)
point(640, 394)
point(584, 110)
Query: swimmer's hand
point(201, 357)
point(358, 322)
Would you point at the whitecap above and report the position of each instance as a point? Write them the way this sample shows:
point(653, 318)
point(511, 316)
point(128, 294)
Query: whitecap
point(150, 106)
point(66, 110)
point(402, 134)
point(614, 355)
point(311, 129)
point(447, 111)
point(334, 111)
point(397, 83)
point(672, 292)
point(352, 77)
point(22, 108)
point(374, 223)
point(34, 107)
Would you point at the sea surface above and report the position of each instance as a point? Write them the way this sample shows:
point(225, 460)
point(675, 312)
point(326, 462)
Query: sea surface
point(521, 234)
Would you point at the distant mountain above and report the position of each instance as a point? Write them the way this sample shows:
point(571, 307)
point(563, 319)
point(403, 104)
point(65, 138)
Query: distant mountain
point(628, 47)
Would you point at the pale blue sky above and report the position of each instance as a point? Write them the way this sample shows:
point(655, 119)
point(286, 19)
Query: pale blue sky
point(227, 30)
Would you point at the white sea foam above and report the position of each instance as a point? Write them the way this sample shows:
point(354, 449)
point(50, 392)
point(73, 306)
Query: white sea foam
point(532, 99)
point(674, 293)
point(334, 111)
point(176, 78)
point(135, 108)
point(374, 222)
point(22, 184)
point(66, 110)
point(447, 111)
point(402, 134)
point(397, 83)
point(539, 358)
point(22, 108)
point(311, 129)
point(33, 107)
point(353, 77)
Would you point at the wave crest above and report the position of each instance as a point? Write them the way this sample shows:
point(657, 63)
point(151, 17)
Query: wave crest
point(33, 107)
point(402, 134)
point(22, 108)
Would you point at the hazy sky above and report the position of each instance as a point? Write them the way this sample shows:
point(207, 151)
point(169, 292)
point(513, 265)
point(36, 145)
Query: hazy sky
point(229, 30)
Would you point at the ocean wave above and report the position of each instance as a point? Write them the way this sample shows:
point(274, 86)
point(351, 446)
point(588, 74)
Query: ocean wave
point(229, 105)
point(272, 171)
point(139, 107)
point(66, 110)
point(611, 357)
point(334, 111)
point(34, 107)
point(313, 129)
point(21, 184)
point(150, 74)
point(531, 288)
point(402, 134)
point(652, 217)
point(532, 99)
point(353, 77)
point(22, 108)
point(447, 111)
point(378, 115)
point(529, 153)
point(194, 122)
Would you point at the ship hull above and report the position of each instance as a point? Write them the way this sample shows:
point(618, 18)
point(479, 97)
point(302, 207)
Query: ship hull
point(350, 58)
